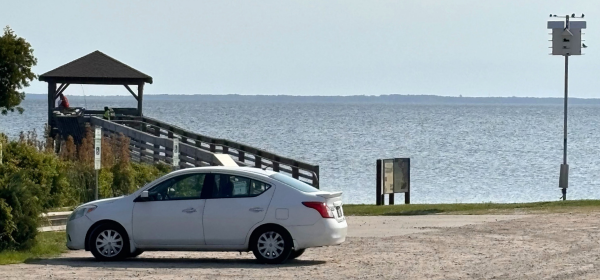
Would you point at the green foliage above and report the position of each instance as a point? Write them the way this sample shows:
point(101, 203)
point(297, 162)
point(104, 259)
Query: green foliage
point(33, 179)
point(7, 225)
point(145, 173)
point(16, 61)
point(82, 182)
point(26, 200)
point(43, 169)
point(123, 179)
point(105, 182)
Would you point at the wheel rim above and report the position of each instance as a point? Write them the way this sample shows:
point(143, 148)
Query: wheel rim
point(270, 245)
point(109, 243)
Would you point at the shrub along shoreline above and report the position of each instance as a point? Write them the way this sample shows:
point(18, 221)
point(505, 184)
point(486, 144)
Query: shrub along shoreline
point(35, 179)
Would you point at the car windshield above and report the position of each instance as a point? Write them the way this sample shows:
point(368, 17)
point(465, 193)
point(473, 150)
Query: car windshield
point(296, 184)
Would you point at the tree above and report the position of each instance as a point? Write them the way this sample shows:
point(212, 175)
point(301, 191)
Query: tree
point(16, 60)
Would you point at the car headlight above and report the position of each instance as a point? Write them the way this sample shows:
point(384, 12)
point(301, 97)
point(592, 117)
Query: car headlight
point(82, 211)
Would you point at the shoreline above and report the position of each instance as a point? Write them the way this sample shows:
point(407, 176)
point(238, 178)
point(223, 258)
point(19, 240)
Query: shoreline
point(543, 207)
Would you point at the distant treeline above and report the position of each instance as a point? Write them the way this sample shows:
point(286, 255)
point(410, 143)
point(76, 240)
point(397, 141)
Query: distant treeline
point(393, 98)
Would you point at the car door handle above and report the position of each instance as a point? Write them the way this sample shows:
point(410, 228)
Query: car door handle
point(256, 209)
point(189, 210)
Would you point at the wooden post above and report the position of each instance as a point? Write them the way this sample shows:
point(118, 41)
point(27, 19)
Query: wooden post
point(257, 162)
point(225, 150)
point(407, 193)
point(241, 156)
point(316, 177)
point(295, 172)
point(140, 98)
point(275, 166)
point(51, 99)
point(156, 146)
point(378, 196)
point(144, 128)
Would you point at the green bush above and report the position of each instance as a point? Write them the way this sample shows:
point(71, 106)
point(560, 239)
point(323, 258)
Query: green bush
point(22, 195)
point(145, 173)
point(33, 179)
point(82, 182)
point(43, 169)
point(105, 182)
point(7, 225)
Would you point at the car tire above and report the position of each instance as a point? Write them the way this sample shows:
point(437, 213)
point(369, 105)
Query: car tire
point(296, 253)
point(272, 245)
point(135, 253)
point(109, 242)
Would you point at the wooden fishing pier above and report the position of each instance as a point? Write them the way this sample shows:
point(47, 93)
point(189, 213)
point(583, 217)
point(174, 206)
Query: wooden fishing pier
point(151, 140)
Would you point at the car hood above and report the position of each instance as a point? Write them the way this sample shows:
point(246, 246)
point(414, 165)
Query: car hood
point(102, 201)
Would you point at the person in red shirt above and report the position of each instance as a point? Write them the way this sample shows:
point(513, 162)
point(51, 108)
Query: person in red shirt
point(64, 103)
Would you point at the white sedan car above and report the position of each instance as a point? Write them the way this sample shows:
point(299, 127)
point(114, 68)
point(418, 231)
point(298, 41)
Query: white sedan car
point(212, 209)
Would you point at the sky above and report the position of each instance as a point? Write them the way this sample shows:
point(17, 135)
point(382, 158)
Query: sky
point(307, 47)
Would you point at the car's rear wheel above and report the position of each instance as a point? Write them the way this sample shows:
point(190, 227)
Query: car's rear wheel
point(296, 253)
point(108, 242)
point(272, 245)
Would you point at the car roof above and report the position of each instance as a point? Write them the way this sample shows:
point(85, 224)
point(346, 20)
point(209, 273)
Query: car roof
point(242, 169)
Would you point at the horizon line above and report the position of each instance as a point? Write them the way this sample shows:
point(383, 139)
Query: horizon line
point(340, 96)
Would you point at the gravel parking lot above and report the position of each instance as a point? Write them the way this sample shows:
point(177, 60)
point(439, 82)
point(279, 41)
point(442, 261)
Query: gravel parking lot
point(548, 246)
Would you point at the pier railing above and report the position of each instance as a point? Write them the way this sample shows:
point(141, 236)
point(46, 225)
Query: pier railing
point(151, 140)
point(148, 148)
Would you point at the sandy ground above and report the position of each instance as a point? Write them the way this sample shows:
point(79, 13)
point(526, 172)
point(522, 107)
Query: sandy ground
point(549, 246)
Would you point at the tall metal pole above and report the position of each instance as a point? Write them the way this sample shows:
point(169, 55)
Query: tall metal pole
point(566, 102)
point(565, 167)
point(96, 191)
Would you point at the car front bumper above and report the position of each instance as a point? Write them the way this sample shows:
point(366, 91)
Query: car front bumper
point(76, 232)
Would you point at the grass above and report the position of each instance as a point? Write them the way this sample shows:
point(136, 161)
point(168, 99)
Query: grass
point(473, 208)
point(48, 244)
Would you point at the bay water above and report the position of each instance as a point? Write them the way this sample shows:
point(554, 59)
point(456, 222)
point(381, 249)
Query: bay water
point(460, 152)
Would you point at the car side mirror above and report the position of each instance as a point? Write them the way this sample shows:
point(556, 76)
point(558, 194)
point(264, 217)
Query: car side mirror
point(143, 197)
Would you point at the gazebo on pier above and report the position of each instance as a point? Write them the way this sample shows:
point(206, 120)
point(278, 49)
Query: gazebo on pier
point(95, 68)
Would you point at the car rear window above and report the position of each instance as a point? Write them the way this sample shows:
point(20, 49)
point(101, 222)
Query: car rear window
point(294, 183)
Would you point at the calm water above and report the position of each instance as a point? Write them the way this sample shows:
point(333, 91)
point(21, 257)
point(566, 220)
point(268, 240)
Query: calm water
point(459, 153)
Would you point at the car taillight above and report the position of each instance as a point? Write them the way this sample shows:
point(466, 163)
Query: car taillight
point(321, 207)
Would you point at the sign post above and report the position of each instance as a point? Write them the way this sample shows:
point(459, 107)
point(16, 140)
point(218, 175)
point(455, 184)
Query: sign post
point(176, 153)
point(566, 41)
point(378, 195)
point(97, 156)
point(393, 176)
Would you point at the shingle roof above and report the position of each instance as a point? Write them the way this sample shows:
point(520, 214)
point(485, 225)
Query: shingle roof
point(95, 66)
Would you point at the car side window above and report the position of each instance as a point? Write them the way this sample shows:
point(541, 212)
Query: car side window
point(187, 186)
point(231, 186)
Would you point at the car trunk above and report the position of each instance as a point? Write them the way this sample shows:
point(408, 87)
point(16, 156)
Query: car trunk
point(334, 203)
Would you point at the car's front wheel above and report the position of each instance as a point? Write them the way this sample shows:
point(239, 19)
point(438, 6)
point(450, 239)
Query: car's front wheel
point(108, 242)
point(272, 245)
